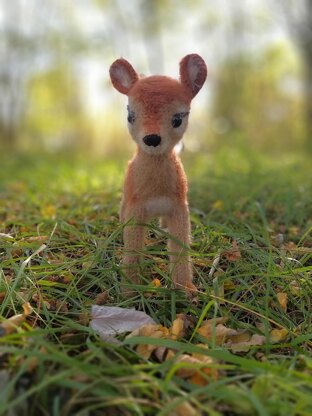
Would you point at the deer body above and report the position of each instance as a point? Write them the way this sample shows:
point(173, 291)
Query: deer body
point(155, 182)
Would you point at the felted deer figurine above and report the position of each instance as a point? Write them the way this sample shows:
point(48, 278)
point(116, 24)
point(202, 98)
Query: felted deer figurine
point(155, 182)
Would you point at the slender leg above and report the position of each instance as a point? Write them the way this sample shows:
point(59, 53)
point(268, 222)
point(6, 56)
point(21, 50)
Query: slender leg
point(181, 267)
point(133, 243)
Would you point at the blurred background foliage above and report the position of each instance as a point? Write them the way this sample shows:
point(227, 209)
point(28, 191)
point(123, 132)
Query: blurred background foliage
point(55, 90)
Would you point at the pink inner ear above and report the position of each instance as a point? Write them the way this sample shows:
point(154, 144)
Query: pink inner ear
point(123, 75)
point(193, 73)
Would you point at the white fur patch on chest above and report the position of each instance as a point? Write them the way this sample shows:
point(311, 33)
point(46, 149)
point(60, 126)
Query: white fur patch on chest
point(158, 206)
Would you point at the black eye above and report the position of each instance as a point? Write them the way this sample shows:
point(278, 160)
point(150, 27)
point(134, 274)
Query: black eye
point(131, 116)
point(177, 119)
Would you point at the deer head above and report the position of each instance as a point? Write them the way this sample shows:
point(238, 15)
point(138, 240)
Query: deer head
point(158, 106)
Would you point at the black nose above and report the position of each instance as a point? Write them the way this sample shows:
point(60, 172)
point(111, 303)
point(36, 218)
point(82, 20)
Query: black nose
point(152, 140)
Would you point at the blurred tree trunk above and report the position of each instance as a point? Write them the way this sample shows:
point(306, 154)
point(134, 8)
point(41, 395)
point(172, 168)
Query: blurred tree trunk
point(306, 50)
point(298, 14)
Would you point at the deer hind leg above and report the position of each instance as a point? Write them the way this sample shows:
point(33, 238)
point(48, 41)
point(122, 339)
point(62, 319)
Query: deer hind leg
point(133, 235)
point(178, 246)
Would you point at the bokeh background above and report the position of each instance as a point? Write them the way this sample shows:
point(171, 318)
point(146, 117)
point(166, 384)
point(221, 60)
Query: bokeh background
point(56, 94)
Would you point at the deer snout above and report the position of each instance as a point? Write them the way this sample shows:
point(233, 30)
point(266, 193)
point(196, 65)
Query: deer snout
point(152, 140)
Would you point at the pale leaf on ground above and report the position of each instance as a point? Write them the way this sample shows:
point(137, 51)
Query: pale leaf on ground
point(255, 340)
point(112, 320)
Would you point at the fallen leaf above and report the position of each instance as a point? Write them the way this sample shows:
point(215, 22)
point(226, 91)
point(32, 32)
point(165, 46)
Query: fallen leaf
point(218, 205)
point(156, 283)
point(36, 238)
point(11, 324)
point(196, 367)
point(218, 332)
point(178, 327)
point(184, 409)
point(255, 340)
point(282, 300)
point(101, 298)
point(48, 211)
point(151, 331)
point(113, 320)
point(277, 335)
point(240, 336)
point(233, 254)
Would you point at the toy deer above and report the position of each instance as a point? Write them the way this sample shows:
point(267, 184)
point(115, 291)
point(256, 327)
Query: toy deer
point(155, 183)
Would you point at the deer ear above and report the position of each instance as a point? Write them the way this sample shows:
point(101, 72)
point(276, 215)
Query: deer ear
point(123, 75)
point(193, 73)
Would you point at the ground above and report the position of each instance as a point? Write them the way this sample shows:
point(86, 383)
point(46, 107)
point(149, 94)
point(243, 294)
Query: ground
point(60, 247)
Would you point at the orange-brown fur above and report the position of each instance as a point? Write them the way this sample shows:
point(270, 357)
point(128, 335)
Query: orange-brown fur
point(155, 183)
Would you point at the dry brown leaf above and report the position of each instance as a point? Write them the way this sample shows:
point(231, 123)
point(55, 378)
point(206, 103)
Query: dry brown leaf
point(277, 335)
point(11, 324)
point(219, 332)
point(101, 298)
point(282, 300)
point(189, 369)
point(179, 325)
point(233, 254)
point(255, 340)
point(197, 366)
point(36, 239)
point(200, 380)
point(156, 283)
point(151, 331)
point(184, 409)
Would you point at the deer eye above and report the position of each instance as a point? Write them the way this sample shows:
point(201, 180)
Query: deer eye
point(177, 119)
point(131, 116)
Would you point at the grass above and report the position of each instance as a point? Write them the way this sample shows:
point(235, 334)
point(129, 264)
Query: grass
point(55, 364)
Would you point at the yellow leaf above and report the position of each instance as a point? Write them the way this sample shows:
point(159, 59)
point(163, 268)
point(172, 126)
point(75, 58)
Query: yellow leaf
point(229, 285)
point(282, 300)
point(184, 409)
point(219, 332)
point(156, 283)
point(218, 205)
point(277, 335)
point(196, 367)
point(48, 211)
point(241, 336)
point(179, 325)
point(152, 331)
point(200, 380)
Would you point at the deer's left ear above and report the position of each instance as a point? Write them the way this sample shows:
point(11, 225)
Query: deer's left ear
point(193, 73)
